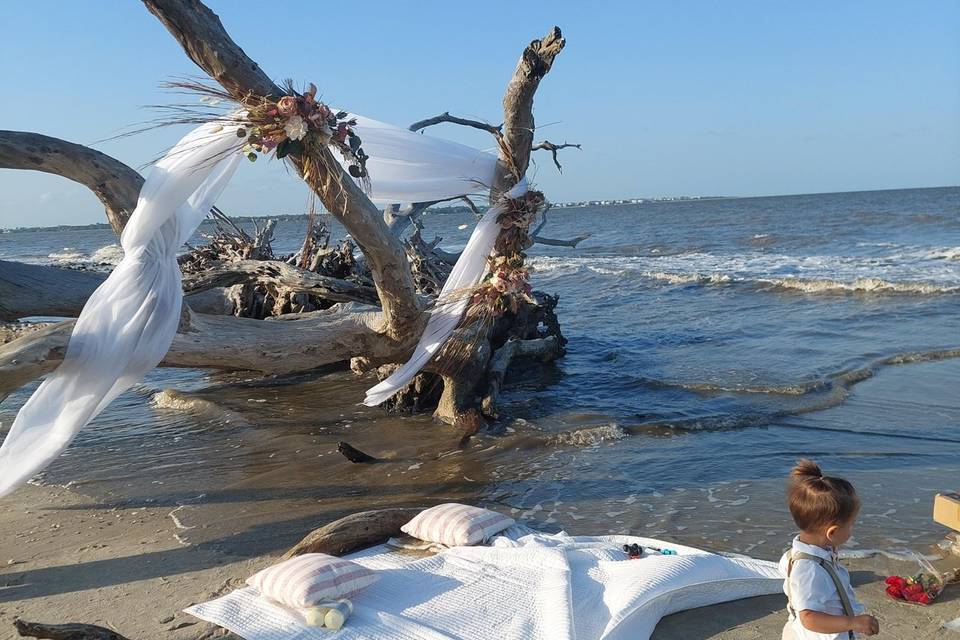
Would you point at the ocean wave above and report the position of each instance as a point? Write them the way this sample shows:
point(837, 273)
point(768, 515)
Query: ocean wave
point(68, 255)
point(838, 380)
point(907, 275)
point(946, 253)
point(860, 285)
point(109, 255)
point(687, 278)
point(799, 389)
point(588, 435)
point(172, 400)
point(823, 393)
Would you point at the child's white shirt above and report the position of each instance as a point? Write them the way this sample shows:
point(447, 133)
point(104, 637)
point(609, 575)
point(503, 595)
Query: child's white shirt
point(811, 587)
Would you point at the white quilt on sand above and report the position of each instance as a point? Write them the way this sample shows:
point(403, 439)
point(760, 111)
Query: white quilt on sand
point(524, 586)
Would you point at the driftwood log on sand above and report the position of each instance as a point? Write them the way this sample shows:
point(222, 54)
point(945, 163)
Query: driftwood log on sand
point(65, 631)
point(354, 532)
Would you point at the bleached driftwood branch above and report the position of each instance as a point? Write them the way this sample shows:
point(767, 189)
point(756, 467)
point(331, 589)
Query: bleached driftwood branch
point(537, 238)
point(309, 341)
point(518, 122)
point(355, 531)
point(496, 130)
point(114, 183)
point(553, 148)
point(282, 275)
point(71, 631)
point(40, 290)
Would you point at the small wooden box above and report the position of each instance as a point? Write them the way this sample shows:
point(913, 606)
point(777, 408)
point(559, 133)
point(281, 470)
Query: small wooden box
point(946, 510)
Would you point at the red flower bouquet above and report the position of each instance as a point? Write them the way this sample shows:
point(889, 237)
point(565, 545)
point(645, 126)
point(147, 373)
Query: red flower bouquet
point(920, 589)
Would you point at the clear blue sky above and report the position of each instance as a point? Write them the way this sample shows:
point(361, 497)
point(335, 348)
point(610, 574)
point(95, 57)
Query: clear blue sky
point(668, 98)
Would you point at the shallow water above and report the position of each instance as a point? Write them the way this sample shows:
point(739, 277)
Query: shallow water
point(711, 344)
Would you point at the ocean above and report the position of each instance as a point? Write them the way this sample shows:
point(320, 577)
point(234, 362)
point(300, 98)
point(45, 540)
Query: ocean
point(711, 344)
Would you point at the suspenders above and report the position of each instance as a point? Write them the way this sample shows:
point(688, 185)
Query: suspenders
point(828, 566)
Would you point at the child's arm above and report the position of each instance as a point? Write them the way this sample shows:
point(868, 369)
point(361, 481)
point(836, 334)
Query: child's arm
point(821, 622)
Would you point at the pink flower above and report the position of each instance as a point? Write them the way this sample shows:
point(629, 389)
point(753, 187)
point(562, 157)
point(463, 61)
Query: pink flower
point(287, 105)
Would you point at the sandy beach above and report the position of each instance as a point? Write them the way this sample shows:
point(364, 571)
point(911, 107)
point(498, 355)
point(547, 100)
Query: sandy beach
point(66, 559)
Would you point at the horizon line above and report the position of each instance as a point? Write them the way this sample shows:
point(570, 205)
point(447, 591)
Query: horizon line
point(649, 198)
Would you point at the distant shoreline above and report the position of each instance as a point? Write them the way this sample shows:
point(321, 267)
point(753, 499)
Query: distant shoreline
point(286, 217)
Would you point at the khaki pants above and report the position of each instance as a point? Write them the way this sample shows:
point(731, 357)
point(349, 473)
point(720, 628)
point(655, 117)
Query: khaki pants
point(788, 633)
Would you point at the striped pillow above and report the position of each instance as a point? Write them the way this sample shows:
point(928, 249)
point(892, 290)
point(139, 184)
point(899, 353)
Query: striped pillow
point(456, 525)
point(305, 581)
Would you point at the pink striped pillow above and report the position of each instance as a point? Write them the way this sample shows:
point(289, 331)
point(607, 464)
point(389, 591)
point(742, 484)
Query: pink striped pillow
point(456, 525)
point(305, 581)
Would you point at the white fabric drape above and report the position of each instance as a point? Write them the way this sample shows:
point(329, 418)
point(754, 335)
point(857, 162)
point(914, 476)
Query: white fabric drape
point(470, 269)
point(407, 167)
point(127, 325)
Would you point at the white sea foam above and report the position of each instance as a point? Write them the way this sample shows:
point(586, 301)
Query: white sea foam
point(944, 253)
point(108, 255)
point(687, 278)
point(68, 255)
point(860, 285)
point(911, 272)
point(589, 435)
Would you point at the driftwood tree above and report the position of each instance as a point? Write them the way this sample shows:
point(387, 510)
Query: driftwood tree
point(379, 313)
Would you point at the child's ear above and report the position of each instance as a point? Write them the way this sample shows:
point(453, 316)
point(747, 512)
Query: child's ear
point(831, 531)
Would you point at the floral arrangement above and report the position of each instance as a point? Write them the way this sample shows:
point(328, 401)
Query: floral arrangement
point(507, 286)
point(920, 589)
point(295, 126)
point(290, 124)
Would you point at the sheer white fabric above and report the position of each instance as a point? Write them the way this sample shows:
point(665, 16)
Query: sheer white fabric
point(409, 167)
point(127, 325)
point(470, 269)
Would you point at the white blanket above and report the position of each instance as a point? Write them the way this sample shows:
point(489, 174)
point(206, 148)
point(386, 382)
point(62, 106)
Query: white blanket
point(466, 592)
point(524, 586)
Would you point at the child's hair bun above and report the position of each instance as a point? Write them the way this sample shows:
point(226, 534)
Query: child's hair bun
point(805, 469)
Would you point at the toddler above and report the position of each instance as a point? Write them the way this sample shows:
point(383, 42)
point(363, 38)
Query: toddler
point(820, 600)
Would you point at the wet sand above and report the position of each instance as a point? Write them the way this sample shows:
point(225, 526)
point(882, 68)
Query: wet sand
point(63, 558)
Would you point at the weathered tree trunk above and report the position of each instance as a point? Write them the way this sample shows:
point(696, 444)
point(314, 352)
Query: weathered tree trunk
point(37, 290)
point(459, 404)
point(272, 347)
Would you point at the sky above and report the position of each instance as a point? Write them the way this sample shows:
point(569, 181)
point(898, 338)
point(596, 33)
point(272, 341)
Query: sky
point(731, 98)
